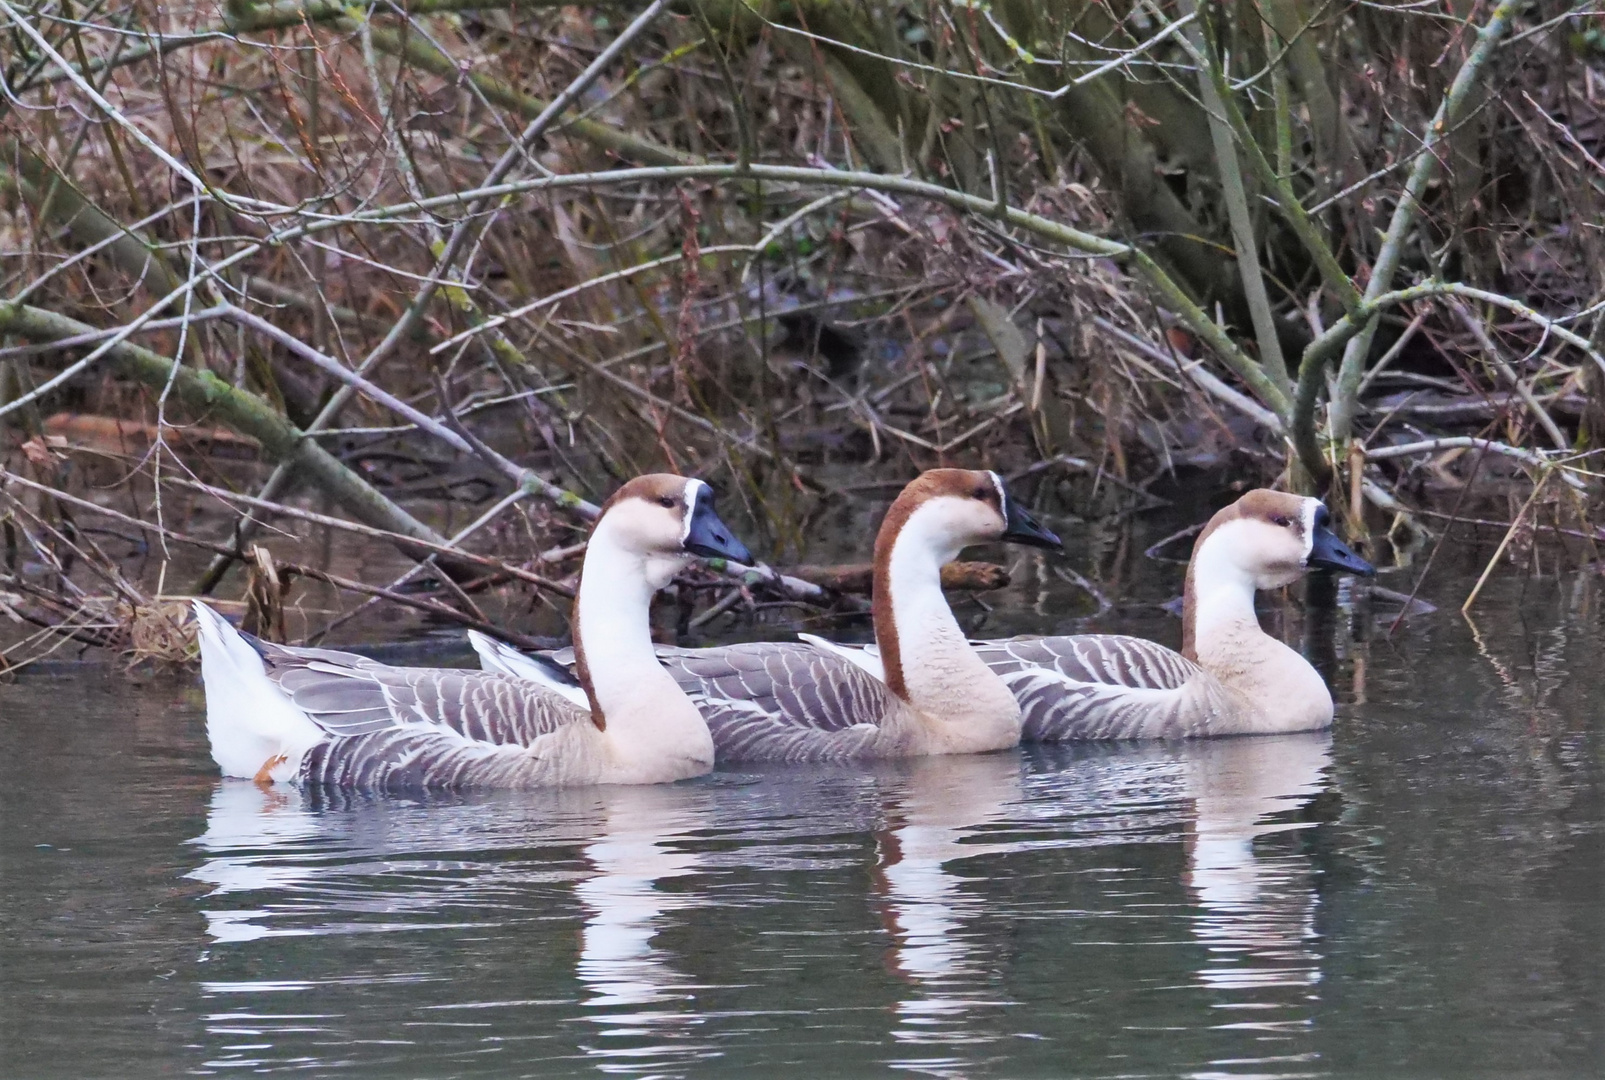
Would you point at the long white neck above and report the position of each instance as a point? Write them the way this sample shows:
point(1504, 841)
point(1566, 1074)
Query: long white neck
point(941, 675)
point(1223, 592)
point(1275, 681)
point(645, 713)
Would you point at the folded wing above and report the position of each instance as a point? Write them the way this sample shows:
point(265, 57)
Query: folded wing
point(782, 701)
point(399, 728)
point(1105, 686)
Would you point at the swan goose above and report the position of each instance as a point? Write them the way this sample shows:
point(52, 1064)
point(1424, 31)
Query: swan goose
point(1230, 678)
point(810, 701)
point(316, 716)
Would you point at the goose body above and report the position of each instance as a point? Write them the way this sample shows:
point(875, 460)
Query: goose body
point(1112, 686)
point(805, 701)
point(780, 701)
point(793, 702)
point(1109, 686)
point(762, 700)
point(317, 716)
point(1231, 678)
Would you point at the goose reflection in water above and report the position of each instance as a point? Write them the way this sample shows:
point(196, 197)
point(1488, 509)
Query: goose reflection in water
point(257, 839)
point(1255, 911)
point(332, 863)
point(936, 925)
point(635, 991)
point(967, 850)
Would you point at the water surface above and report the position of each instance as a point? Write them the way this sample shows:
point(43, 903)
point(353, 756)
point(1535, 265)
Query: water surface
point(1419, 892)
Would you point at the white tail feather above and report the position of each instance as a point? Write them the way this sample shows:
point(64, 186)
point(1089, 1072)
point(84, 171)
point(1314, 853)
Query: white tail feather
point(503, 659)
point(865, 657)
point(249, 721)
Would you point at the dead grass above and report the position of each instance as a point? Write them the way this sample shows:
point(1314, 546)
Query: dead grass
point(871, 334)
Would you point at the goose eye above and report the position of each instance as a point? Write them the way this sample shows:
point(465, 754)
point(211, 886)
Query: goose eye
point(1284, 522)
point(983, 492)
point(668, 502)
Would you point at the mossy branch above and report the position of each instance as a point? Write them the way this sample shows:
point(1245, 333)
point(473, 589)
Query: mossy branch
point(1286, 201)
point(127, 249)
point(206, 395)
point(425, 56)
point(1347, 329)
point(1211, 77)
point(1405, 213)
point(1166, 287)
point(1170, 293)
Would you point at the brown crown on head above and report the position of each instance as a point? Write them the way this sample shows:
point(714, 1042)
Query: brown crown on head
point(652, 487)
point(931, 484)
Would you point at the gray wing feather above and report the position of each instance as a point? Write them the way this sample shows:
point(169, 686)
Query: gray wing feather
point(782, 701)
point(1097, 686)
point(411, 758)
point(1111, 659)
point(413, 727)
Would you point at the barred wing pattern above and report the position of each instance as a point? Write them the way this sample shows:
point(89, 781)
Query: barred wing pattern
point(1106, 686)
point(408, 728)
point(415, 758)
point(785, 701)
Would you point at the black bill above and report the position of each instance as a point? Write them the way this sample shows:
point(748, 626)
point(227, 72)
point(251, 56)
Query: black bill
point(709, 537)
point(1020, 527)
point(1329, 553)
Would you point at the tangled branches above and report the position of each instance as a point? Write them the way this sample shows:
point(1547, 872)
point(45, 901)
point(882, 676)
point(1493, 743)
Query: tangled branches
point(510, 251)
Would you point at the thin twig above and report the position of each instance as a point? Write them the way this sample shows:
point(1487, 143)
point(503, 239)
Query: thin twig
point(1476, 590)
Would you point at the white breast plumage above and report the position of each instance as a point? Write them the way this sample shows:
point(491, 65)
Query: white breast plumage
point(316, 716)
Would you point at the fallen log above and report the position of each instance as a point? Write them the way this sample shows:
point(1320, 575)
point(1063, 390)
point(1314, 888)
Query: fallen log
point(859, 577)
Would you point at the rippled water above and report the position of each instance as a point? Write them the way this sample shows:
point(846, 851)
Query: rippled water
point(1419, 892)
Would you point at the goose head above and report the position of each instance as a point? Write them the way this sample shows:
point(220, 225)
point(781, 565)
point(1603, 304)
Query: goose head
point(1272, 538)
point(665, 521)
point(939, 514)
point(649, 530)
point(1264, 540)
point(948, 510)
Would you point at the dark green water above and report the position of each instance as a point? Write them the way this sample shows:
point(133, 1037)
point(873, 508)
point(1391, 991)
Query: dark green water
point(1419, 893)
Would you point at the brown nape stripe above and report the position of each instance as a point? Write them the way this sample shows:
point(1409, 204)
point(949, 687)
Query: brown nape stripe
point(958, 482)
point(881, 600)
point(581, 669)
